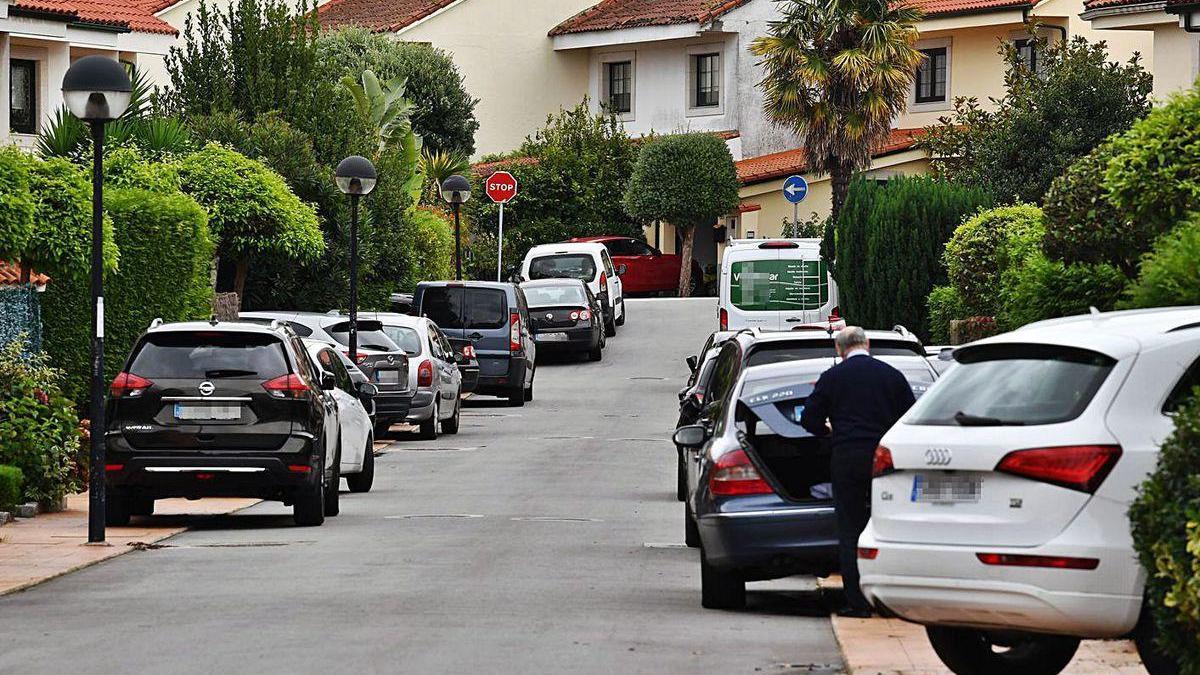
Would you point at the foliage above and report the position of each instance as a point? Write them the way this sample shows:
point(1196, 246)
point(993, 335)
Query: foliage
point(443, 112)
point(63, 136)
point(1045, 121)
point(838, 73)
point(1170, 273)
point(39, 433)
point(436, 167)
point(1043, 289)
point(685, 179)
point(944, 306)
point(986, 245)
point(61, 243)
point(1082, 225)
point(432, 239)
point(12, 482)
point(973, 328)
point(891, 236)
point(128, 168)
point(16, 204)
point(812, 227)
point(384, 107)
point(1165, 519)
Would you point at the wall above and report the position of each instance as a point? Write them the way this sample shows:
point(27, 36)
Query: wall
point(1176, 57)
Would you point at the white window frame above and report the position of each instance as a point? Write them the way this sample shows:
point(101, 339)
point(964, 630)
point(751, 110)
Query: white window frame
point(689, 82)
point(934, 106)
point(602, 81)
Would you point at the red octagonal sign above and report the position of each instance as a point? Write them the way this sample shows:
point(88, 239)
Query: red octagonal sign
point(501, 187)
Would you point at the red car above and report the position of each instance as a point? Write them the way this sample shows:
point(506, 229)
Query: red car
point(647, 269)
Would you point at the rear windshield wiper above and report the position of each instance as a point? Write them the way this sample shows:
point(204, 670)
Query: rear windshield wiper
point(229, 372)
point(382, 348)
point(968, 420)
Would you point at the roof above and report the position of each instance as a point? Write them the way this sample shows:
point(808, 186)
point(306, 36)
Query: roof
point(379, 16)
point(1090, 6)
point(1117, 334)
point(780, 164)
point(10, 275)
point(207, 326)
point(617, 14)
point(934, 8)
point(554, 281)
point(568, 247)
point(130, 15)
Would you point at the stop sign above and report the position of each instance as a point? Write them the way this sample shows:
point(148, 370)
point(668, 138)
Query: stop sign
point(501, 187)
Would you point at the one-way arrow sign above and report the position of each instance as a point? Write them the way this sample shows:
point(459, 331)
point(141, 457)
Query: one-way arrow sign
point(795, 189)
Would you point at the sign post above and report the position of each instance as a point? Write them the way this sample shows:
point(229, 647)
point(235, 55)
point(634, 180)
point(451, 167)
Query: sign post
point(500, 187)
point(795, 189)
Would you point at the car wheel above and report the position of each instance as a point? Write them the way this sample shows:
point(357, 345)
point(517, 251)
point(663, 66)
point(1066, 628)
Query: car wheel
point(596, 353)
point(309, 507)
point(516, 397)
point(333, 491)
point(450, 426)
point(978, 652)
point(363, 480)
point(117, 510)
point(429, 428)
point(141, 506)
point(720, 589)
point(621, 320)
point(1145, 637)
point(610, 326)
point(691, 532)
point(680, 475)
point(382, 429)
point(528, 393)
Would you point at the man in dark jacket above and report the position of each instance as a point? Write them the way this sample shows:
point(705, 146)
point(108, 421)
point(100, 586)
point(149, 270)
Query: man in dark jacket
point(855, 403)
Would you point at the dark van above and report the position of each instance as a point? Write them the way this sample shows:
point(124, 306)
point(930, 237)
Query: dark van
point(494, 317)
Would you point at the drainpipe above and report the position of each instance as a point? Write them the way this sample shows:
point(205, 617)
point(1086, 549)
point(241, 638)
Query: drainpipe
point(1062, 30)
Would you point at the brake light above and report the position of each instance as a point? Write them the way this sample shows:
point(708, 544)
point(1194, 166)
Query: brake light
point(835, 314)
point(468, 351)
point(723, 316)
point(1077, 467)
point(114, 467)
point(128, 384)
point(868, 553)
point(425, 374)
point(735, 474)
point(779, 244)
point(357, 357)
point(1052, 561)
point(286, 386)
point(883, 463)
point(603, 283)
point(581, 315)
point(514, 332)
point(299, 468)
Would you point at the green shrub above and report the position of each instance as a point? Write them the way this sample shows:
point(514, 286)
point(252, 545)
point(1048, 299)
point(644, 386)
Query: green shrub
point(1165, 520)
point(39, 433)
point(62, 220)
point(983, 247)
point(889, 243)
point(127, 168)
point(432, 237)
point(12, 483)
point(16, 204)
point(1044, 289)
point(1170, 274)
point(944, 306)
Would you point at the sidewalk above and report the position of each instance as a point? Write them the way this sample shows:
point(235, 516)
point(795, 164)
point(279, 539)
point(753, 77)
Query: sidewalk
point(37, 549)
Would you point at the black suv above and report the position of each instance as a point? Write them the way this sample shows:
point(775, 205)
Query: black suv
point(207, 409)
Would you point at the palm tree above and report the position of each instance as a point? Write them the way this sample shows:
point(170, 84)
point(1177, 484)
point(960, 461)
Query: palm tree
point(384, 106)
point(837, 73)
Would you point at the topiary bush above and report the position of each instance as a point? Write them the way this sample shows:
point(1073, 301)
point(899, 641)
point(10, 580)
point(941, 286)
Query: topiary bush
point(12, 484)
point(61, 243)
point(983, 247)
point(1165, 520)
point(944, 306)
point(16, 204)
point(1043, 289)
point(431, 235)
point(1170, 273)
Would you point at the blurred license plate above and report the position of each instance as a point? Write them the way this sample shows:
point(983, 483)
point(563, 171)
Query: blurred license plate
point(946, 489)
point(387, 376)
point(551, 337)
point(189, 411)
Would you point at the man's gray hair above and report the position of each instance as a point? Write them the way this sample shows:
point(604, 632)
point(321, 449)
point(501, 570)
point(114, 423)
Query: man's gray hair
point(851, 337)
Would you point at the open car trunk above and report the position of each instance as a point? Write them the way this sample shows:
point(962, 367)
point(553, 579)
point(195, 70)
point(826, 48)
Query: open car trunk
point(799, 467)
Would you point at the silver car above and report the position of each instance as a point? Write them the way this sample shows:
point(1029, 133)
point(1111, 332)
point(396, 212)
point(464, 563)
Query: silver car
point(433, 373)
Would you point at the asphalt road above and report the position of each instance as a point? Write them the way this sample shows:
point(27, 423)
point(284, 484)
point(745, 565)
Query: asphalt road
point(543, 539)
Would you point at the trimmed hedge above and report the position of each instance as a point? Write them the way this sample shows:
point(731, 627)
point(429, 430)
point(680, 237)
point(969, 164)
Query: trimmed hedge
point(983, 247)
point(1170, 274)
point(16, 204)
point(944, 306)
point(12, 481)
point(1043, 289)
point(61, 243)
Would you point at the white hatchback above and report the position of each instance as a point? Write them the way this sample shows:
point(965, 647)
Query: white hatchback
point(999, 503)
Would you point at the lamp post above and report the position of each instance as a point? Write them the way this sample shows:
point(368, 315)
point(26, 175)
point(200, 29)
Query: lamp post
point(456, 190)
point(97, 90)
point(356, 177)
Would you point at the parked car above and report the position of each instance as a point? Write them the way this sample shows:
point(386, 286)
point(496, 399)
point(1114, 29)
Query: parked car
point(588, 262)
point(435, 379)
point(468, 362)
point(691, 398)
point(356, 439)
point(215, 409)
point(378, 357)
point(941, 357)
point(565, 316)
point(1013, 480)
point(776, 284)
point(494, 317)
point(759, 490)
point(647, 269)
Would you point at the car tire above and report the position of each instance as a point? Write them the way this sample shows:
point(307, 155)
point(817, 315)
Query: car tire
point(610, 325)
point(528, 393)
point(720, 589)
point(333, 492)
point(429, 428)
point(691, 531)
point(450, 426)
point(596, 353)
point(309, 508)
point(971, 651)
point(117, 510)
point(516, 397)
point(1144, 637)
point(680, 475)
point(363, 480)
point(382, 429)
point(621, 320)
point(141, 506)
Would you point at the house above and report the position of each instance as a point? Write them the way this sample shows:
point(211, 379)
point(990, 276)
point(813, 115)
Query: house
point(40, 38)
point(1173, 27)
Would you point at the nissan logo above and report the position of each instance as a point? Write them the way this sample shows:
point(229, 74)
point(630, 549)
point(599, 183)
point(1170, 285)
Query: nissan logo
point(938, 456)
point(207, 388)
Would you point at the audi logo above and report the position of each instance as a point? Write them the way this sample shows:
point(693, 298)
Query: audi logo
point(938, 456)
point(207, 388)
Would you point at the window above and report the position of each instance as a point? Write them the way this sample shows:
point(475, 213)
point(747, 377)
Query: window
point(619, 86)
point(707, 83)
point(23, 96)
point(1184, 390)
point(627, 247)
point(187, 355)
point(580, 266)
point(931, 76)
point(556, 296)
point(1027, 52)
point(405, 338)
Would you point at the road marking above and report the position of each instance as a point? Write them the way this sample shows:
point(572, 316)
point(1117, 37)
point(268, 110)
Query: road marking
point(650, 544)
point(554, 519)
point(419, 449)
point(414, 516)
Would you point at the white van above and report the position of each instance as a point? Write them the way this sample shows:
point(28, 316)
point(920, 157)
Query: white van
point(776, 284)
point(590, 263)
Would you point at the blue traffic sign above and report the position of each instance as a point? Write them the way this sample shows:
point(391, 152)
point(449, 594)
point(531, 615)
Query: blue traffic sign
point(795, 189)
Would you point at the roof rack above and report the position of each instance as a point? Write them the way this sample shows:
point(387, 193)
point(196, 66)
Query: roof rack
point(275, 325)
point(901, 330)
point(155, 323)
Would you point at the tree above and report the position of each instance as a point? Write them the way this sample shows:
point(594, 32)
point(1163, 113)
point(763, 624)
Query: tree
point(837, 72)
point(688, 180)
point(1044, 122)
point(383, 106)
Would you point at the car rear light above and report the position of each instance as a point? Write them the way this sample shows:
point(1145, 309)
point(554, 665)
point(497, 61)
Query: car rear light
point(883, 463)
point(723, 316)
point(514, 332)
point(425, 374)
point(299, 468)
point(357, 357)
point(603, 283)
point(585, 315)
point(128, 384)
point(574, 316)
point(835, 314)
point(779, 244)
point(1077, 467)
point(468, 351)
point(735, 474)
point(868, 553)
point(114, 467)
point(286, 386)
point(1052, 561)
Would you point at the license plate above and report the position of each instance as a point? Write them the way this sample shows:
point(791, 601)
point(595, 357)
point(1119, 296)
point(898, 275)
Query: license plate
point(387, 376)
point(551, 337)
point(188, 411)
point(946, 489)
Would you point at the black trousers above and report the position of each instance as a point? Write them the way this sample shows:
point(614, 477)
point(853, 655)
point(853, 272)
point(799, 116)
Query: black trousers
point(851, 469)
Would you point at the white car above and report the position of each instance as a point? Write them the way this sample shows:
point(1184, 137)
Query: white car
point(357, 440)
point(433, 372)
point(1000, 499)
point(590, 263)
point(776, 284)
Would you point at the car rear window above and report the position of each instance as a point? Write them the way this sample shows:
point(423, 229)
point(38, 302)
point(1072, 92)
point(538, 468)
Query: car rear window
point(778, 351)
point(566, 266)
point(548, 296)
point(485, 308)
point(210, 355)
point(443, 306)
point(367, 339)
point(997, 385)
point(406, 338)
point(458, 307)
point(778, 285)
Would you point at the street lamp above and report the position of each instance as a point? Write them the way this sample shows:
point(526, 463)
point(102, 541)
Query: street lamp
point(456, 190)
point(356, 177)
point(97, 90)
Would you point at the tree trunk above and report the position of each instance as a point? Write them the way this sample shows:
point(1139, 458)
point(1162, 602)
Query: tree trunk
point(685, 260)
point(839, 178)
point(239, 279)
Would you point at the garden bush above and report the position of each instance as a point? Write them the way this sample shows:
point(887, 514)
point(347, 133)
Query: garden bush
point(61, 243)
point(432, 238)
point(39, 432)
point(944, 306)
point(1165, 519)
point(12, 483)
point(16, 204)
point(1043, 289)
point(983, 247)
point(1170, 273)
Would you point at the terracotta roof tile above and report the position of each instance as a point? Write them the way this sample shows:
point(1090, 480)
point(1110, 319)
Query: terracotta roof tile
point(379, 16)
point(10, 275)
point(615, 14)
point(780, 164)
point(1089, 5)
point(135, 15)
point(941, 7)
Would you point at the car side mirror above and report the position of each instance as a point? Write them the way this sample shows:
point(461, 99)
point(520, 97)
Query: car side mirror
point(947, 354)
point(622, 269)
point(367, 391)
point(692, 361)
point(328, 381)
point(691, 435)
